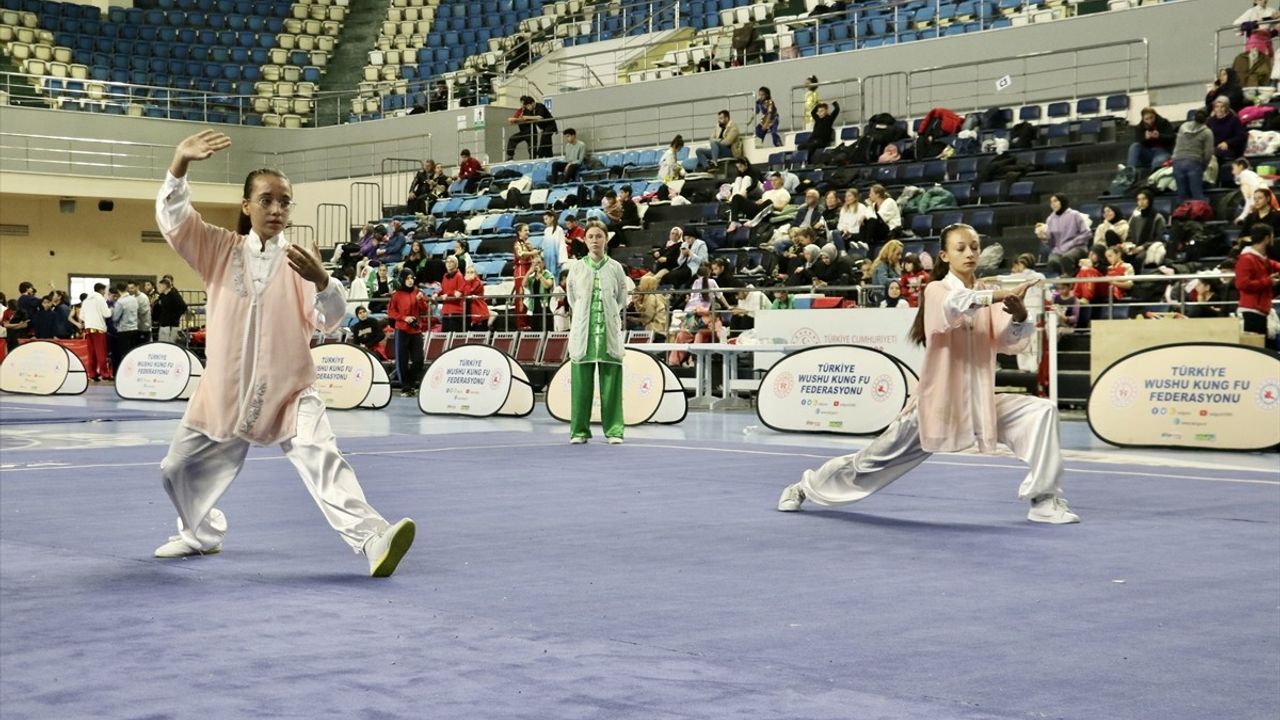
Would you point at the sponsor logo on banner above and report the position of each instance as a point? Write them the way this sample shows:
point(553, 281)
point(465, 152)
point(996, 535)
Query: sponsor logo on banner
point(344, 375)
point(475, 380)
point(41, 367)
point(156, 371)
point(833, 388)
point(1218, 396)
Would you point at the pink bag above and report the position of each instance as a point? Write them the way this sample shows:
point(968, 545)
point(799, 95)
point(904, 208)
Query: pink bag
point(1255, 112)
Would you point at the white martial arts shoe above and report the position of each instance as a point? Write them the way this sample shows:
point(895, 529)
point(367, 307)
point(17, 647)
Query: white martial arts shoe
point(579, 440)
point(1052, 510)
point(384, 551)
point(792, 497)
point(615, 441)
point(176, 548)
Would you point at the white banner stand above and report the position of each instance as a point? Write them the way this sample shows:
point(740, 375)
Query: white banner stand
point(349, 376)
point(843, 389)
point(41, 367)
point(475, 381)
point(651, 393)
point(158, 371)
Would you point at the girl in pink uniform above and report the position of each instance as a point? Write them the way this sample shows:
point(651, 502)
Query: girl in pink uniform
point(955, 406)
point(257, 388)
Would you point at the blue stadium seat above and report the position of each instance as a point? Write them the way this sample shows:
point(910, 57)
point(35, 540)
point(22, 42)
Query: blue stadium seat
point(984, 221)
point(1059, 110)
point(963, 192)
point(1117, 103)
point(922, 225)
point(1030, 113)
point(1022, 192)
point(1088, 106)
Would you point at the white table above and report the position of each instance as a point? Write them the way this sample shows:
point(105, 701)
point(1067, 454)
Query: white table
point(703, 394)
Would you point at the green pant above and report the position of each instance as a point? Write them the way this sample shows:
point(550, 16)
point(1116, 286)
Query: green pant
point(584, 380)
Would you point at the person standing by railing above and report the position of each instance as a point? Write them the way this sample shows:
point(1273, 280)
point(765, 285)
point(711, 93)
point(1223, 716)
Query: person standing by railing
point(1256, 278)
point(408, 308)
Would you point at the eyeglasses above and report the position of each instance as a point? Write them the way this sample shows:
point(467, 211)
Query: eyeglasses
point(266, 201)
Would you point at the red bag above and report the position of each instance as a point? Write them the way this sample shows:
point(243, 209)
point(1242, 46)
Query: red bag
point(1197, 210)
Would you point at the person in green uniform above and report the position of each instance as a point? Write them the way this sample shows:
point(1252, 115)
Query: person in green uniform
point(597, 292)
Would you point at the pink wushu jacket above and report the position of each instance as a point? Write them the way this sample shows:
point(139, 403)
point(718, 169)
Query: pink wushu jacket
point(258, 351)
point(957, 396)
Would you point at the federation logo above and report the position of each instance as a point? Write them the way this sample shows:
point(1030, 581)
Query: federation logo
point(805, 336)
point(784, 384)
point(1123, 393)
point(646, 385)
point(1268, 397)
point(881, 388)
point(495, 378)
point(437, 377)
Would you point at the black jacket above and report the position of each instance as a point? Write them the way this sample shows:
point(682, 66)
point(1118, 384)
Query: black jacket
point(168, 309)
point(824, 128)
point(1162, 126)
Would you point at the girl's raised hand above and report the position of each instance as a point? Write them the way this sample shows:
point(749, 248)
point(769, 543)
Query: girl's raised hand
point(202, 145)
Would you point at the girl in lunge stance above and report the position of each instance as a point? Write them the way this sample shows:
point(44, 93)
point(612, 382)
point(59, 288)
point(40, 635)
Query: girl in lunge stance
point(597, 293)
point(258, 385)
point(955, 404)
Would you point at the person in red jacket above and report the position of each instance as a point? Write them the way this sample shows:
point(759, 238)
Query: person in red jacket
point(477, 308)
point(408, 309)
point(1256, 278)
point(452, 306)
point(468, 169)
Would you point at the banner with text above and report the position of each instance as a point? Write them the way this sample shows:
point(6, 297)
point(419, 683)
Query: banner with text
point(158, 371)
point(477, 381)
point(842, 389)
point(349, 376)
point(650, 392)
point(1211, 396)
point(41, 367)
point(884, 329)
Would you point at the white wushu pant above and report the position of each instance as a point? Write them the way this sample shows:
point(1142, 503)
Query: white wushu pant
point(198, 470)
point(1027, 425)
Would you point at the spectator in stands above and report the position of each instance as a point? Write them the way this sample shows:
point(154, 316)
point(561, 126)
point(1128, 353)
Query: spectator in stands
point(1264, 210)
point(1064, 235)
point(669, 167)
point(1067, 307)
point(1256, 278)
point(1153, 140)
point(812, 213)
point(94, 314)
point(1191, 155)
point(1229, 137)
point(420, 189)
point(462, 251)
point(766, 116)
point(539, 285)
point(573, 236)
point(630, 211)
point(782, 300)
point(722, 273)
point(379, 287)
point(747, 302)
point(853, 213)
point(1118, 268)
point(651, 309)
point(392, 251)
point(774, 199)
point(1113, 229)
point(690, 259)
point(555, 250)
point(726, 141)
point(1210, 292)
point(372, 236)
point(893, 296)
point(408, 309)
point(439, 99)
point(612, 208)
point(914, 277)
point(1146, 228)
point(831, 209)
point(701, 320)
point(469, 169)
point(888, 264)
point(832, 269)
point(416, 261)
point(1094, 266)
point(1249, 182)
point(537, 128)
point(575, 154)
point(522, 254)
point(667, 258)
point(789, 248)
point(452, 306)
point(1227, 85)
point(367, 332)
point(741, 181)
point(886, 222)
point(476, 310)
point(823, 133)
point(811, 100)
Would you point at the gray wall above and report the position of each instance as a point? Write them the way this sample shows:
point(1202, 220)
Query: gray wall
point(1181, 58)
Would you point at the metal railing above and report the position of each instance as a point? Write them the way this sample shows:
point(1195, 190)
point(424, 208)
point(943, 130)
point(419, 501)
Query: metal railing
point(66, 155)
point(1228, 43)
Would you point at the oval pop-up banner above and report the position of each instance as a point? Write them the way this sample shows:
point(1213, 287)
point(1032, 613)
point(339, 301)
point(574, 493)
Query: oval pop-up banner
point(650, 392)
point(349, 376)
point(158, 371)
point(476, 381)
point(845, 389)
point(41, 367)
point(1208, 396)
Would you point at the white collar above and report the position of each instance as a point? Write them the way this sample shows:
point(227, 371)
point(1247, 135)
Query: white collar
point(1249, 249)
point(254, 242)
point(951, 281)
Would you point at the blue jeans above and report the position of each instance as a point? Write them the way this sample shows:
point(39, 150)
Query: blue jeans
point(708, 155)
point(1145, 158)
point(1189, 177)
